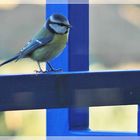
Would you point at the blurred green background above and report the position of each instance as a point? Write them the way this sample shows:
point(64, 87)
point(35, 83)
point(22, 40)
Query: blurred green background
point(114, 45)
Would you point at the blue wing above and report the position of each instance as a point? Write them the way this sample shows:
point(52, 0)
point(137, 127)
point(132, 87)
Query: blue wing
point(33, 45)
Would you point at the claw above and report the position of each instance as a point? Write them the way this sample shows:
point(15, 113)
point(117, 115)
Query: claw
point(39, 72)
point(52, 69)
point(47, 71)
point(55, 70)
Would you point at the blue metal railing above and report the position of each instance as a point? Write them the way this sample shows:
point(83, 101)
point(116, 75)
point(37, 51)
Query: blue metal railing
point(67, 95)
point(75, 58)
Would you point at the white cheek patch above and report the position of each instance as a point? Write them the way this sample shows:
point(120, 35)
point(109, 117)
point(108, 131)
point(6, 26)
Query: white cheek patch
point(58, 29)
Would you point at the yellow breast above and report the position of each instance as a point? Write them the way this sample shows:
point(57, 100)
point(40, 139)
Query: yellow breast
point(51, 50)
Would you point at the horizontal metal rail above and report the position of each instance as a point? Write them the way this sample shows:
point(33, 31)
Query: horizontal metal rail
point(64, 90)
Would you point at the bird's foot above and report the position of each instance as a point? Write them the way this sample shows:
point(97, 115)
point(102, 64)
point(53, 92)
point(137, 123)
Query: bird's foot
point(55, 70)
point(48, 71)
point(39, 72)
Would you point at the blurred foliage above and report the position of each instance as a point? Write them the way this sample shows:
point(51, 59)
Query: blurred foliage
point(26, 123)
point(114, 34)
point(118, 118)
point(23, 123)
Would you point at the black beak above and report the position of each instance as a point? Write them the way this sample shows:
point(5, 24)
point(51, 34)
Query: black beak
point(69, 26)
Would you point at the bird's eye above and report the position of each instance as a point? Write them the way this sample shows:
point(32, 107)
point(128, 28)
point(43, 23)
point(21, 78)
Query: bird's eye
point(60, 24)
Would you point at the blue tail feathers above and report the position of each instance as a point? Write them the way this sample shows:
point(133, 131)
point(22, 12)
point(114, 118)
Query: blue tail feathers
point(9, 60)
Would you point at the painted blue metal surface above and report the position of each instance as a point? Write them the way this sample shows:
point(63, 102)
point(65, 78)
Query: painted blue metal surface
point(62, 90)
point(79, 57)
point(101, 133)
point(76, 58)
point(81, 89)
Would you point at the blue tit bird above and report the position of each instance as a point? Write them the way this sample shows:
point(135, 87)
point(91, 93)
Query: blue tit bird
point(48, 43)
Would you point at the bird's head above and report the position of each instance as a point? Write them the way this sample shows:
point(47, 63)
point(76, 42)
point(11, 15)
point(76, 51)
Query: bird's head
point(58, 24)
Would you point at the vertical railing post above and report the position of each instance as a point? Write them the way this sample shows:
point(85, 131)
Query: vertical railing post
point(74, 58)
point(79, 56)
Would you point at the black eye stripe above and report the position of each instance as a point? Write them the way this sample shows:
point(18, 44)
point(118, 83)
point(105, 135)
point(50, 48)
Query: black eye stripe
point(61, 24)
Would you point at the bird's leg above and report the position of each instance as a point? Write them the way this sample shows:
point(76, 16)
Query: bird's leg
point(53, 69)
point(40, 69)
